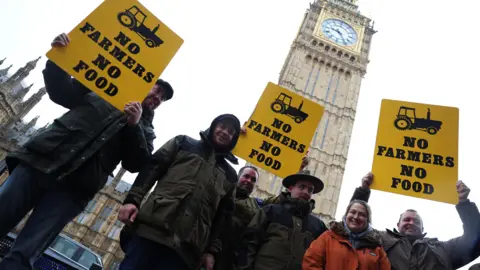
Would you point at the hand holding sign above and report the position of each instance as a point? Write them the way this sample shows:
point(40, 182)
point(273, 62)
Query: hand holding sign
point(133, 110)
point(305, 162)
point(463, 191)
point(243, 130)
point(61, 40)
point(367, 180)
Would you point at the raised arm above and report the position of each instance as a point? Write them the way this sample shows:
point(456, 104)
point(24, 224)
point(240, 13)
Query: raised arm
point(464, 249)
point(363, 192)
point(60, 86)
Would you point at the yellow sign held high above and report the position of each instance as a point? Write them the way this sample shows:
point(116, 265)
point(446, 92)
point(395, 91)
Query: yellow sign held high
point(416, 153)
point(279, 131)
point(118, 51)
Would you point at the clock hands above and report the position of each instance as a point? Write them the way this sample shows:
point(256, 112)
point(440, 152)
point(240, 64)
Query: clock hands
point(341, 35)
point(339, 32)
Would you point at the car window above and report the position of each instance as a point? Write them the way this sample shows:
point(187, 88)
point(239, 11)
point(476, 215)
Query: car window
point(75, 252)
point(64, 247)
point(87, 259)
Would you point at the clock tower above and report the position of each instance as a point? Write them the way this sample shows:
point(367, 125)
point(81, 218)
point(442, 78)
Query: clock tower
point(326, 63)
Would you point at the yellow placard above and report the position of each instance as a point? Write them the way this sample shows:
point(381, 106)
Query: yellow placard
point(118, 51)
point(279, 131)
point(416, 153)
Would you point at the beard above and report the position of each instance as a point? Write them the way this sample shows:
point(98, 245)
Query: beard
point(242, 192)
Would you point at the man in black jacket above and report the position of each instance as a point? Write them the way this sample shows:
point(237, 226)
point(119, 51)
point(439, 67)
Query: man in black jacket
point(58, 171)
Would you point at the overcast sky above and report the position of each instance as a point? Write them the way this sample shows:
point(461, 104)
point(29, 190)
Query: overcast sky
point(425, 51)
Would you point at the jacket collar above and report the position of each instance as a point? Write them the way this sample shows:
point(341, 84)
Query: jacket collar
point(297, 207)
point(397, 234)
point(286, 195)
point(370, 239)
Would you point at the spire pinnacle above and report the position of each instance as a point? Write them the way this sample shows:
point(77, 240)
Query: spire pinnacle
point(33, 63)
point(3, 72)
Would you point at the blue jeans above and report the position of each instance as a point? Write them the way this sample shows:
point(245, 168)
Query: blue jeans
point(142, 253)
point(53, 207)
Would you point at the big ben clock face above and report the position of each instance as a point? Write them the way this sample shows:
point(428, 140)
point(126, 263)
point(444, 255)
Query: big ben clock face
point(339, 32)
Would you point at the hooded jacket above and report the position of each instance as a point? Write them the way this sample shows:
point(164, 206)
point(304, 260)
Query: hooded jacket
point(337, 250)
point(194, 195)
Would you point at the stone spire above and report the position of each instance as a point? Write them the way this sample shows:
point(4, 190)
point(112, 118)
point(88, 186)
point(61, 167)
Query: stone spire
point(31, 124)
point(4, 72)
point(32, 101)
point(40, 129)
point(22, 73)
point(3, 60)
point(32, 64)
point(22, 92)
point(118, 177)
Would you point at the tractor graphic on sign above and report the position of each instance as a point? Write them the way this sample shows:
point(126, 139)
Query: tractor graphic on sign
point(283, 105)
point(134, 19)
point(407, 120)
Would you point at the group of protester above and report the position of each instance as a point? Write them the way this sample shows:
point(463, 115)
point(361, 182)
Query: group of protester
point(200, 212)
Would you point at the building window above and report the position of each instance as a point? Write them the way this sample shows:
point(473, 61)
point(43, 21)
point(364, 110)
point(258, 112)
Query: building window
point(114, 232)
point(98, 225)
point(107, 210)
point(91, 206)
point(82, 218)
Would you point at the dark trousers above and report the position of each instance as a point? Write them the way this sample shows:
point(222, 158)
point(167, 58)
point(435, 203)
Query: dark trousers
point(53, 207)
point(142, 253)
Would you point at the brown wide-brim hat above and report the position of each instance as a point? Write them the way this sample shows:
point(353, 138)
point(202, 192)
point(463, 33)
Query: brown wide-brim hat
point(306, 176)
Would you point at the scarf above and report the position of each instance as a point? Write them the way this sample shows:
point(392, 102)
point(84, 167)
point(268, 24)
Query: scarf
point(354, 238)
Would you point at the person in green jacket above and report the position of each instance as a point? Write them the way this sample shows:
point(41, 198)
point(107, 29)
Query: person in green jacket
point(192, 201)
point(246, 207)
point(279, 234)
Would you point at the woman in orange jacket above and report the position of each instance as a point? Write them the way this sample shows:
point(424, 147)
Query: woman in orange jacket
point(351, 244)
